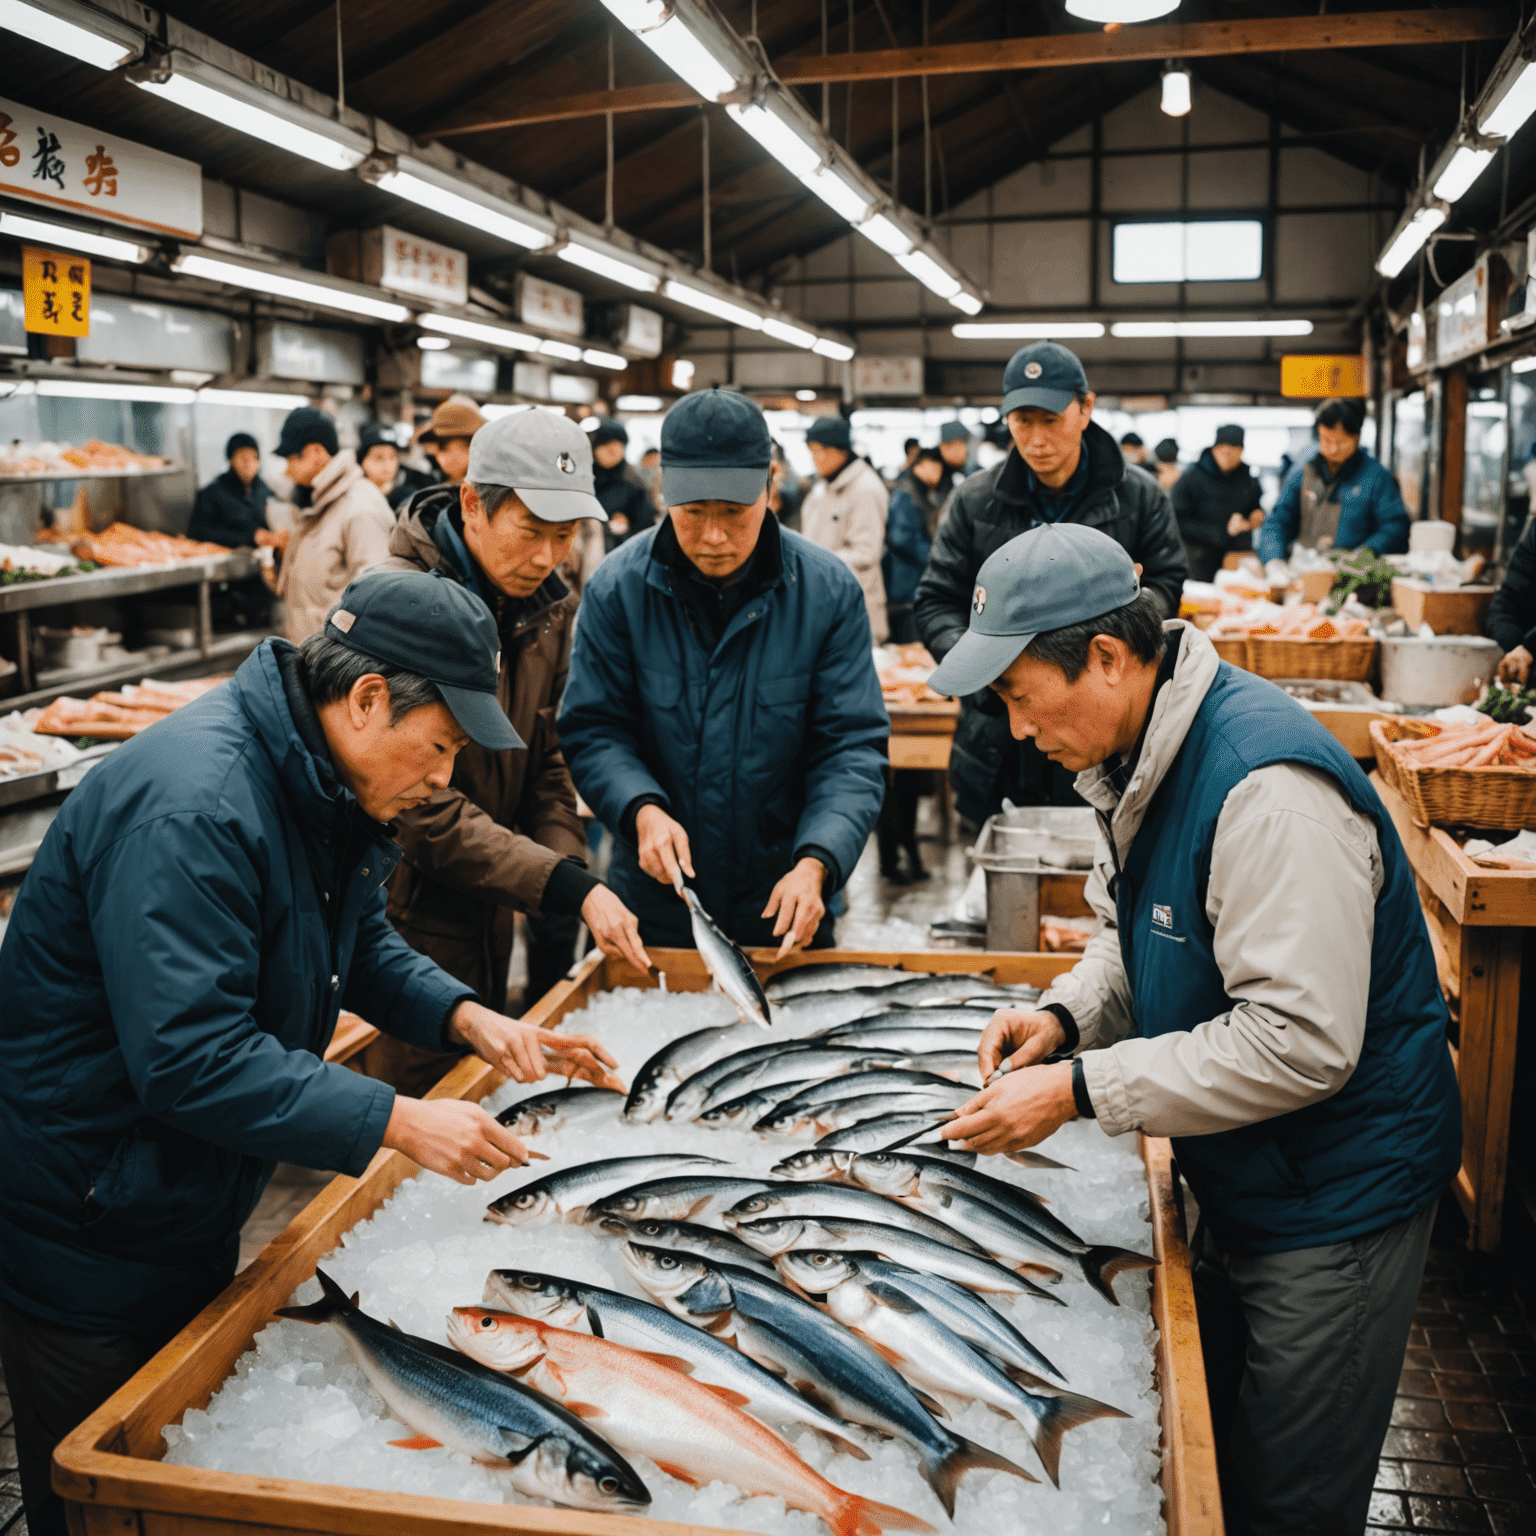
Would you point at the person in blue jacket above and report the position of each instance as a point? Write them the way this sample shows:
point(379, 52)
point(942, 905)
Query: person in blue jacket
point(911, 518)
point(1340, 497)
point(723, 715)
point(200, 910)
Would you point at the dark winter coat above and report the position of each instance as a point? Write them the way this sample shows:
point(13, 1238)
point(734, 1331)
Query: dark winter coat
point(1512, 615)
point(204, 904)
point(229, 512)
point(623, 494)
point(910, 518)
point(1204, 499)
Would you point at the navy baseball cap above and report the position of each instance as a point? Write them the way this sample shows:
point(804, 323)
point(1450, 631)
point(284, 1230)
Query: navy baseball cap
point(1055, 575)
point(609, 431)
point(831, 432)
point(1044, 374)
point(437, 629)
point(304, 426)
point(714, 447)
point(954, 432)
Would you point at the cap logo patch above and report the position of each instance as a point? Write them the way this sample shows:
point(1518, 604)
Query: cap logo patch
point(1033, 370)
point(566, 464)
point(498, 661)
point(344, 620)
point(980, 600)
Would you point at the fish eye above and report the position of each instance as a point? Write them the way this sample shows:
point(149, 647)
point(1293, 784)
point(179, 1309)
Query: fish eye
point(529, 1282)
point(608, 1484)
point(820, 1259)
point(487, 1322)
point(523, 1201)
point(667, 1261)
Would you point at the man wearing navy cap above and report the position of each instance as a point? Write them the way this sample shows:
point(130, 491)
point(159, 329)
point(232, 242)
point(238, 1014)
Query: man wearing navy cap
point(1062, 467)
point(723, 715)
point(200, 911)
point(1262, 990)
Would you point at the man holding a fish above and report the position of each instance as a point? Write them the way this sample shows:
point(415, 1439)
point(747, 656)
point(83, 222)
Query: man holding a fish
point(723, 715)
point(1262, 990)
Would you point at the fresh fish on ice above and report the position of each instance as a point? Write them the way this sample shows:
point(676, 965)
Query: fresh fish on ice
point(814, 1354)
point(906, 1034)
point(741, 1114)
point(680, 1059)
point(565, 1195)
point(966, 1197)
point(935, 1360)
point(560, 1110)
point(449, 1400)
point(687, 1197)
point(688, 1098)
point(824, 1010)
point(837, 976)
point(820, 1119)
point(731, 969)
point(818, 1200)
point(650, 1409)
point(853, 1084)
point(814, 1061)
point(644, 1325)
point(686, 1237)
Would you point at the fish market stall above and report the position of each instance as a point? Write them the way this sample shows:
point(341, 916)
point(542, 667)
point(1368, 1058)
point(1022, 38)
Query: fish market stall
point(247, 1420)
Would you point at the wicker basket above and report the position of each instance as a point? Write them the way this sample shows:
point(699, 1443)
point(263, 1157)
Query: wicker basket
point(1232, 648)
point(1342, 661)
point(1495, 798)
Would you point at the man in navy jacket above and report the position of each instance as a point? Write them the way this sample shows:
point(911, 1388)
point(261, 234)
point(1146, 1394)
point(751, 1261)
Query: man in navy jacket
point(201, 909)
point(723, 715)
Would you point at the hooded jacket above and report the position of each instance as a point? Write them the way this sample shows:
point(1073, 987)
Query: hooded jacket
point(203, 906)
point(986, 511)
point(344, 529)
point(1371, 510)
point(1205, 498)
point(486, 847)
point(847, 516)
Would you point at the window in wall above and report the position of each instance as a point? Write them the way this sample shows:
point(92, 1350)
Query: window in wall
point(1205, 251)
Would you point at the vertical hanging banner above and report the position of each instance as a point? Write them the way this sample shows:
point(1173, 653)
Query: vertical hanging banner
point(56, 292)
point(48, 159)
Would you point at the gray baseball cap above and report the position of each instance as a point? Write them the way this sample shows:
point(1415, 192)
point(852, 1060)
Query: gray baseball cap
point(545, 458)
point(1054, 575)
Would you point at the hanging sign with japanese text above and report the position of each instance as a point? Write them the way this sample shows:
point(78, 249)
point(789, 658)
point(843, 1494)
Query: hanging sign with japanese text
point(549, 306)
point(56, 292)
point(421, 268)
point(48, 159)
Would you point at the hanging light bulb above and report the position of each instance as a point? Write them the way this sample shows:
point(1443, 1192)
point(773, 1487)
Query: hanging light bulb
point(1121, 12)
point(1175, 89)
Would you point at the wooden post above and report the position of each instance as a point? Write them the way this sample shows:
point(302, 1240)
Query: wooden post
point(1453, 444)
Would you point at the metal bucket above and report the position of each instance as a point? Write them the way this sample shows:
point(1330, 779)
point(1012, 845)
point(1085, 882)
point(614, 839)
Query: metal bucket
point(1448, 669)
point(1016, 847)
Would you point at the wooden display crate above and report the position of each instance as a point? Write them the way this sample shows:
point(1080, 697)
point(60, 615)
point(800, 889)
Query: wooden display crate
point(1459, 612)
point(110, 1472)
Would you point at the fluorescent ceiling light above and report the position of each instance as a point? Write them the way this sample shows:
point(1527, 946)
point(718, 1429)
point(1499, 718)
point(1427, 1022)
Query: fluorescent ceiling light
point(930, 274)
point(600, 359)
point(283, 286)
point(712, 304)
point(157, 394)
point(795, 335)
point(433, 343)
point(1523, 364)
point(1175, 100)
point(966, 302)
point(486, 217)
point(232, 111)
point(833, 349)
point(639, 402)
point(1126, 329)
point(781, 141)
point(561, 349)
point(1466, 165)
point(805, 394)
point(71, 239)
point(1509, 113)
point(252, 399)
point(671, 41)
point(839, 194)
point(682, 373)
point(887, 234)
point(478, 330)
point(55, 31)
point(1409, 240)
point(1120, 12)
point(614, 268)
point(1026, 330)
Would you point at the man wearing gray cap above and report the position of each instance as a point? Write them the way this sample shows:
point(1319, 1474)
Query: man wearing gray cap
point(1262, 989)
point(504, 837)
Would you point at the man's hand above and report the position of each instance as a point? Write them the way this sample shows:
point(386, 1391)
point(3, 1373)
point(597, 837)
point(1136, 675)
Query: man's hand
point(1516, 666)
point(797, 901)
point(664, 852)
point(1236, 524)
point(521, 1050)
point(1019, 1111)
point(452, 1137)
point(1021, 1039)
point(614, 928)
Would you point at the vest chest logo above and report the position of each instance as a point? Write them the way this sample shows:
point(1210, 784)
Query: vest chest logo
point(1162, 916)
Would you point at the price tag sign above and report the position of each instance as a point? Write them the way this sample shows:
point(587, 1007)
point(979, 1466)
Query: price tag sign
point(56, 292)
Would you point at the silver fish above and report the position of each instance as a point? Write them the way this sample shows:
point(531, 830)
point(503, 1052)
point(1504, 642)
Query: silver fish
point(731, 969)
point(873, 1134)
point(689, 1197)
point(688, 1098)
point(910, 1034)
point(933, 1358)
point(686, 1237)
point(643, 1325)
point(818, 1200)
point(563, 1196)
point(786, 1066)
point(851, 1085)
point(838, 976)
point(680, 1059)
point(1004, 1218)
point(450, 1400)
point(741, 1114)
point(940, 987)
point(776, 1234)
point(820, 1119)
point(812, 1353)
point(825, 1010)
point(561, 1110)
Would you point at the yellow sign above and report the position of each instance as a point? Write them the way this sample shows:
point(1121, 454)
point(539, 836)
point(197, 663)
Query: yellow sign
point(1304, 377)
point(56, 290)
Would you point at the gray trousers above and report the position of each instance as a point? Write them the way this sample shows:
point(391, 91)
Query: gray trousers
point(1303, 1351)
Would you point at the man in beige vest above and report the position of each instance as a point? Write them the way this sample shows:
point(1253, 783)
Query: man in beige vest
point(845, 512)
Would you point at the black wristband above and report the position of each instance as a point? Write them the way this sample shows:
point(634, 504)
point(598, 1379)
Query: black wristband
point(568, 886)
point(1080, 1090)
point(1068, 1027)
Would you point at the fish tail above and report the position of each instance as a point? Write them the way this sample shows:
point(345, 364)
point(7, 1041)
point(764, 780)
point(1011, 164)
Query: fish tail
point(1102, 1264)
point(944, 1475)
point(864, 1517)
point(1051, 1416)
point(332, 1302)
